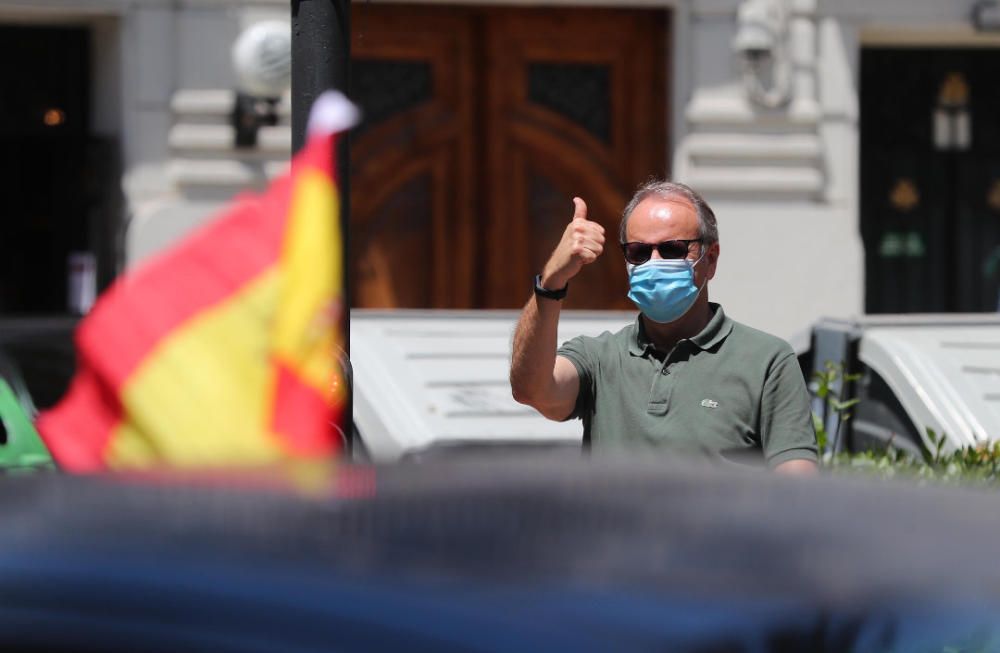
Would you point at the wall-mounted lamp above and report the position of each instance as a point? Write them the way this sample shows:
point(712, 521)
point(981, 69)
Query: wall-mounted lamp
point(262, 58)
point(762, 48)
point(53, 117)
point(986, 15)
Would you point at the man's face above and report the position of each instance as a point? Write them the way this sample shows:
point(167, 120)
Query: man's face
point(658, 219)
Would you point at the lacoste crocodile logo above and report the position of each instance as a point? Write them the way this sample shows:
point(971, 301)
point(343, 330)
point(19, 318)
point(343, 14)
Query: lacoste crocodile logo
point(709, 403)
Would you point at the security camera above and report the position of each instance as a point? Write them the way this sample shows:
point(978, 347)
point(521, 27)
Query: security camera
point(262, 61)
point(754, 43)
point(262, 58)
point(760, 44)
point(760, 26)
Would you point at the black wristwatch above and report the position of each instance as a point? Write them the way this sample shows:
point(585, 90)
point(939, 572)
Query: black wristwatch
point(546, 293)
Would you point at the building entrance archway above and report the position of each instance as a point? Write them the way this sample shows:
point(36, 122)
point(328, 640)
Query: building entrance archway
point(930, 179)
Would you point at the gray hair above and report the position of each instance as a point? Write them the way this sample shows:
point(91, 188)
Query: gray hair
point(708, 230)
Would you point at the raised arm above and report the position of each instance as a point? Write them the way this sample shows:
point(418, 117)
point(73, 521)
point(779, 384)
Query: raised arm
point(538, 377)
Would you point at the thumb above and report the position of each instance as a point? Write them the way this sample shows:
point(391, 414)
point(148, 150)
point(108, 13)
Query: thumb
point(580, 209)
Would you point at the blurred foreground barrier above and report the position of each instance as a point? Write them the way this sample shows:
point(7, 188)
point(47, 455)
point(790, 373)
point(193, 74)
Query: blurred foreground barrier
point(556, 552)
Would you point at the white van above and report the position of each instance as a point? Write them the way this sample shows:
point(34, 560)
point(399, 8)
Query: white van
point(431, 380)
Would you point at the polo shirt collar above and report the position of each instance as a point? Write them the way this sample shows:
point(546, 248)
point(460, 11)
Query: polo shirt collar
point(639, 344)
point(717, 329)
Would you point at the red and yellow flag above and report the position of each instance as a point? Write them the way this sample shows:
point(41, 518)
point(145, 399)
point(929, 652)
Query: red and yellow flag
point(225, 350)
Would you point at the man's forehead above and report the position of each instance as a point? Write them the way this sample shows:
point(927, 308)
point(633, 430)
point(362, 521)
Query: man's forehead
point(657, 211)
point(673, 202)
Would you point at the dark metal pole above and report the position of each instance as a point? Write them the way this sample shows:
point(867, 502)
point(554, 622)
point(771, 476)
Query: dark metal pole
point(321, 57)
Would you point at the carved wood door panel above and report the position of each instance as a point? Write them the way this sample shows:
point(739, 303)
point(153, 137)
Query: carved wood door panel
point(482, 123)
point(576, 107)
point(413, 176)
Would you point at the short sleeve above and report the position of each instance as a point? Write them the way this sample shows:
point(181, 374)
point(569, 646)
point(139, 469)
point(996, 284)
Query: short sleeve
point(578, 353)
point(785, 418)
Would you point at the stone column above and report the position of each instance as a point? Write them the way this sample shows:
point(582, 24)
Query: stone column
point(802, 51)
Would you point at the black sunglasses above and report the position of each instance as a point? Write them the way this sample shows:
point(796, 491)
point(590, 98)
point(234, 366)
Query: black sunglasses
point(639, 253)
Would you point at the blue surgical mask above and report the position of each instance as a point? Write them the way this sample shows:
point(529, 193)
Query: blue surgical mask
point(663, 289)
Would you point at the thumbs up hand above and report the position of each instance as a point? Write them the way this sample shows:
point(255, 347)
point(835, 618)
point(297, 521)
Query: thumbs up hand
point(581, 243)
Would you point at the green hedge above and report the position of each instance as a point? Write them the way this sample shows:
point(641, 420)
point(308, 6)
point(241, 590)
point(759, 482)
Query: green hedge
point(972, 465)
point(978, 465)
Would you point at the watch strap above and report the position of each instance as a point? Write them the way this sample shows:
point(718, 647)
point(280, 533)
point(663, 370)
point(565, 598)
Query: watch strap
point(545, 292)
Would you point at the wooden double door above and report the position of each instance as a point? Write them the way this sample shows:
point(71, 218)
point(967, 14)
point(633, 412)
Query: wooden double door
point(480, 126)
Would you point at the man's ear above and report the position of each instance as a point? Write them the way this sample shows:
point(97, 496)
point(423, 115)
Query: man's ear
point(712, 258)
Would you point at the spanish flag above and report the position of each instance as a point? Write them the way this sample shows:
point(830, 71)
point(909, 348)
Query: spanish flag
point(225, 350)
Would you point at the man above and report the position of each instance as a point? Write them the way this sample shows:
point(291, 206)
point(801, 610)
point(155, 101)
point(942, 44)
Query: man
point(684, 376)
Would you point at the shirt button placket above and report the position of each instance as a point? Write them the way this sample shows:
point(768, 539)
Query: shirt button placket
point(659, 392)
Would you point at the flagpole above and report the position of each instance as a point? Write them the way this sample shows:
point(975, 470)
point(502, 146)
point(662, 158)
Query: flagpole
point(321, 55)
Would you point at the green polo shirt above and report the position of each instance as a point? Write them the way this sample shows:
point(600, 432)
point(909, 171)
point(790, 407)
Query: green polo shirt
point(727, 392)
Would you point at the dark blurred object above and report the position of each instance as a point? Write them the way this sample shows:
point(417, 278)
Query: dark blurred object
point(250, 114)
point(37, 359)
point(986, 15)
point(497, 554)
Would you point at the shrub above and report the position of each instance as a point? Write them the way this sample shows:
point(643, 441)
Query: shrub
point(978, 464)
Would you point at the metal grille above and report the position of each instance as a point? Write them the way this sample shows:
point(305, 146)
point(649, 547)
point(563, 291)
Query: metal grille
point(577, 91)
point(384, 88)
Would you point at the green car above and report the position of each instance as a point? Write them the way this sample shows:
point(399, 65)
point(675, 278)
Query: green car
point(36, 365)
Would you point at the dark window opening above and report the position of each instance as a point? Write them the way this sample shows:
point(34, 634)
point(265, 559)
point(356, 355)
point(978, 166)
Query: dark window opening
point(48, 164)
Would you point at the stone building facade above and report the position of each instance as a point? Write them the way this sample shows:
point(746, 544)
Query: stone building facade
point(763, 109)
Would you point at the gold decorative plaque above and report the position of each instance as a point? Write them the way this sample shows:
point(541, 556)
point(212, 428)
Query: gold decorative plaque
point(904, 196)
point(993, 195)
point(954, 91)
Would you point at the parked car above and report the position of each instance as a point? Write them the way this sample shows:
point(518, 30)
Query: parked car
point(37, 359)
point(917, 374)
point(428, 381)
